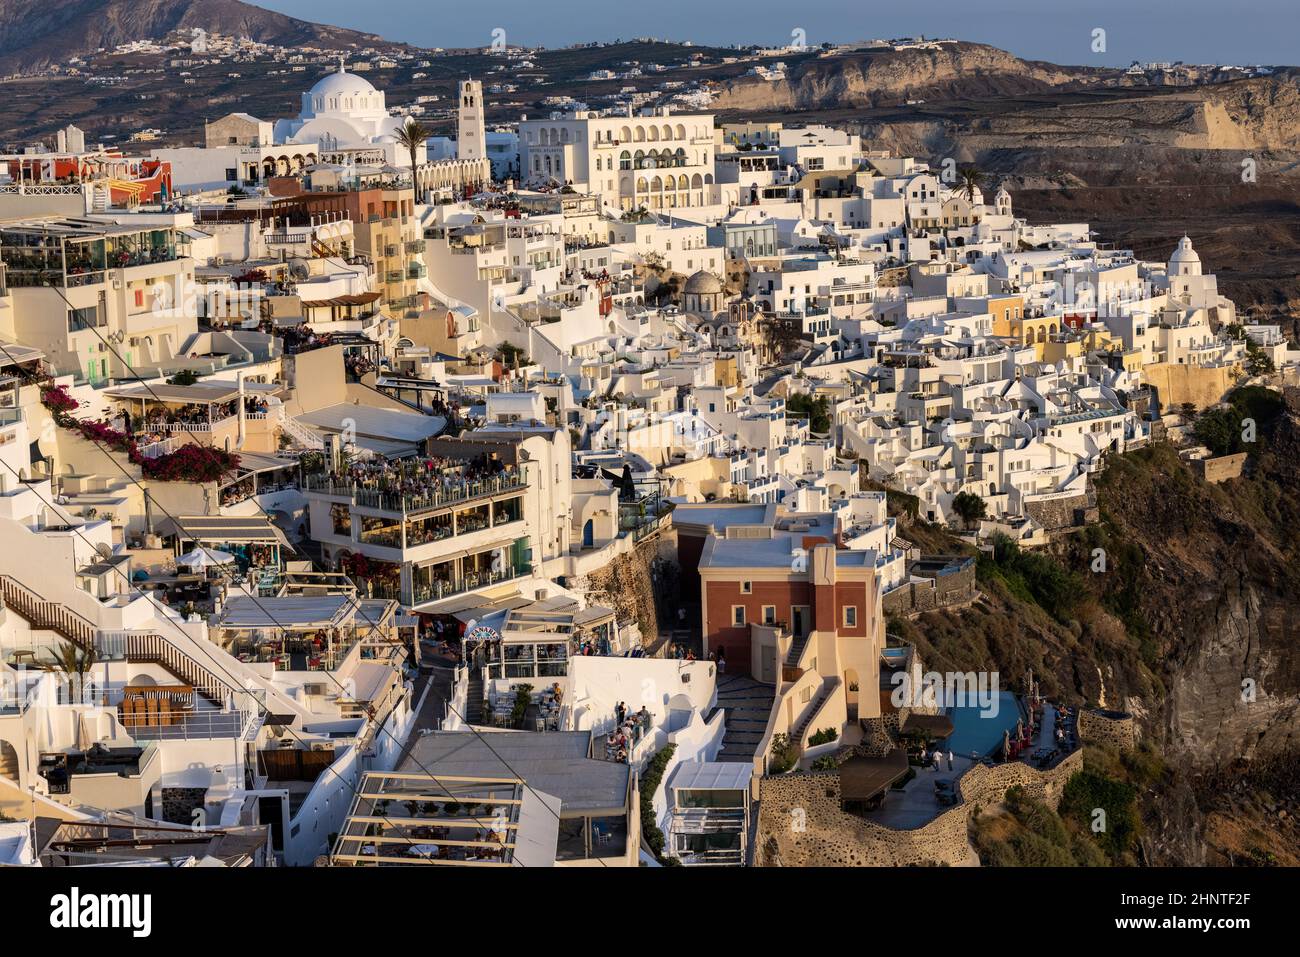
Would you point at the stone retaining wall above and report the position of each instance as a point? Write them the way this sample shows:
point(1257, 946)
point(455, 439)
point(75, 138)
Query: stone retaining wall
point(1108, 727)
point(801, 824)
point(1065, 512)
point(926, 593)
point(1221, 468)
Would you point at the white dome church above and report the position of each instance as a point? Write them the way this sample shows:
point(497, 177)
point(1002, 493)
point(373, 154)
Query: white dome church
point(1185, 261)
point(344, 111)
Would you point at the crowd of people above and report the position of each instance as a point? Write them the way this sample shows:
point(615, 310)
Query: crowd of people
point(299, 338)
point(431, 476)
point(629, 728)
point(595, 646)
point(357, 364)
point(718, 656)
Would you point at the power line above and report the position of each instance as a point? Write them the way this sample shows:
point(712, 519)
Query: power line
point(380, 725)
point(266, 712)
point(360, 607)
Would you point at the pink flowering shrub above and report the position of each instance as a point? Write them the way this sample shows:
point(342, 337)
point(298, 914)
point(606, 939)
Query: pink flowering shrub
point(56, 399)
point(190, 463)
point(106, 435)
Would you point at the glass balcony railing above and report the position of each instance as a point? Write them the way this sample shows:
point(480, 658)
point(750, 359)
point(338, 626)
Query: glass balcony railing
point(423, 592)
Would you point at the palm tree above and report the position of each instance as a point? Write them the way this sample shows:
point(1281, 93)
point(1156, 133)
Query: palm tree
point(971, 178)
point(412, 136)
point(75, 662)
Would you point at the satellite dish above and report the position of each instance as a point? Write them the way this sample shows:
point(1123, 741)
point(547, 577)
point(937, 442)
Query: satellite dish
point(298, 269)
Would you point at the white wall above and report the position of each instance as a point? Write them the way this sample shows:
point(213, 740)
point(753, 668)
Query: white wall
point(597, 684)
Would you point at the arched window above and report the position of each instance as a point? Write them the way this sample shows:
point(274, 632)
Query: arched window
point(625, 160)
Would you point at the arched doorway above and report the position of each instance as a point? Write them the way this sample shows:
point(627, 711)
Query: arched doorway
point(589, 534)
point(10, 769)
point(851, 689)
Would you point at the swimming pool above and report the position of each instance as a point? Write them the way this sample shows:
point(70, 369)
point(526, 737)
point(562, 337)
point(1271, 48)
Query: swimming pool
point(974, 731)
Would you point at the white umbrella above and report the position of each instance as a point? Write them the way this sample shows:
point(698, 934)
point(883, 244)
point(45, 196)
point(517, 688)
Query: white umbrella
point(205, 557)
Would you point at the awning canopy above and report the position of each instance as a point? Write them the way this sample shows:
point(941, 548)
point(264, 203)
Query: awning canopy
point(205, 558)
point(359, 299)
point(862, 778)
point(11, 353)
point(712, 776)
point(294, 612)
point(198, 393)
point(223, 529)
point(554, 763)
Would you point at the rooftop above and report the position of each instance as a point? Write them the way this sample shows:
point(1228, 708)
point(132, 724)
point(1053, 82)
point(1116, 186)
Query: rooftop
point(555, 763)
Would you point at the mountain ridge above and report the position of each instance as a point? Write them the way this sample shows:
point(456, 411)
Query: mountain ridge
point(37, 33)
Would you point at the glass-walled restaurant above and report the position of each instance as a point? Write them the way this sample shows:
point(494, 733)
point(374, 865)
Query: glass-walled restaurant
point(467, 570)
point(538, 640)
point(69, 253)
point(386, 530)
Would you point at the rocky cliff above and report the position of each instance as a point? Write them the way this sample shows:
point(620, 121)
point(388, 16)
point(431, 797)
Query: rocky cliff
point(1192, 626)
point(1213, 572)
point(873, 78)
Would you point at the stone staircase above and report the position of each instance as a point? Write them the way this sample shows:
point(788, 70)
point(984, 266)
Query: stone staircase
point(474, 698)
point(827, 689)
point(797, 646)
point(747, 705)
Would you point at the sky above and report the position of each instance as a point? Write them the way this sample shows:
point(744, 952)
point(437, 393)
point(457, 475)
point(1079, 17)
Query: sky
point(1062, 31)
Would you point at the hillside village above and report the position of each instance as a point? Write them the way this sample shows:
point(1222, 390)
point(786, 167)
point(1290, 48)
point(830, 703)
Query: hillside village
point(534, 496)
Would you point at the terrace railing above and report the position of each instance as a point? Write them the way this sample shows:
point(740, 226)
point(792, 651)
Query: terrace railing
point(435, 591)
point(440, 496)
point(160, 448)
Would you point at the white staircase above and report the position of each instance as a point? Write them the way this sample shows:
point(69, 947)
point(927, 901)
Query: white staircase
point(305, 437)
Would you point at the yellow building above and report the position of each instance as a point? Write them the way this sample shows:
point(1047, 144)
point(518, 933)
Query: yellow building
point(1005, 310)
point(1036, 331)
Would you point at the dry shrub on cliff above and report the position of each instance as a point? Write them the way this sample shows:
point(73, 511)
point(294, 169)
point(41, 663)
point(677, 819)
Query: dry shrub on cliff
point(1025, 832)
